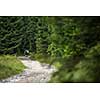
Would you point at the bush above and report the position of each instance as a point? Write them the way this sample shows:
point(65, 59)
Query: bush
point(85, 70)
point(93, 52)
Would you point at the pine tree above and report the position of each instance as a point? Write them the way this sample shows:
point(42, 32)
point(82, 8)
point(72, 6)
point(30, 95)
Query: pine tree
point(10, 37)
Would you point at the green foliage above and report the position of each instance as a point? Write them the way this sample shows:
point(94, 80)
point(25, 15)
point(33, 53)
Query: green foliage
point(93, 52)
point(86, 46)
point(86, 69)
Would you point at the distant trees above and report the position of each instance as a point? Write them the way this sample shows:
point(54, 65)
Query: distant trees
point(17, 34)
point(20, 33)
point(10, 34)
point(55, 36)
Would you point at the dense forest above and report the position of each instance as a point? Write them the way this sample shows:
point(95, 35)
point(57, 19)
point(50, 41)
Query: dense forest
point(72, 42)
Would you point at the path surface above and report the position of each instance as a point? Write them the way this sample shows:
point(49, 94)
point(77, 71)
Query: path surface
point(35, 72)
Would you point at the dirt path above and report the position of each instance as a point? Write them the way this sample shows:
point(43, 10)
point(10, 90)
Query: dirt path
point(34, 73)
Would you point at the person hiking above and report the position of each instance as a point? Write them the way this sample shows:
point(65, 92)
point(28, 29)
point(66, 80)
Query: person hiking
point(26, 53)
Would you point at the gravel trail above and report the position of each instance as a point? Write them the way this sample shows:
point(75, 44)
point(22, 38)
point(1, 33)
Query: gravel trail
point(35, 72)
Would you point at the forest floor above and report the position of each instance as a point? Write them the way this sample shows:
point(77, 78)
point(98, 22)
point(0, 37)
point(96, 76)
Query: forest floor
point(35, 72)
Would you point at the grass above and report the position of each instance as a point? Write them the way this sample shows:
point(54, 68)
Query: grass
point(10, 65)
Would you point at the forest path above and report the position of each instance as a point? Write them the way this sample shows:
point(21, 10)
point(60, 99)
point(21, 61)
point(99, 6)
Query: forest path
point(35, 72)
